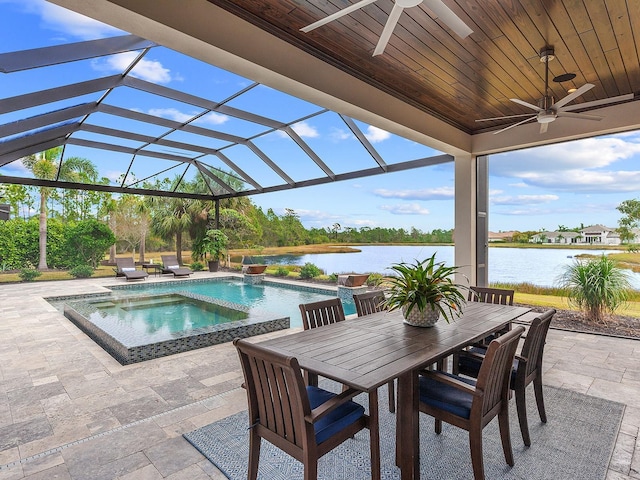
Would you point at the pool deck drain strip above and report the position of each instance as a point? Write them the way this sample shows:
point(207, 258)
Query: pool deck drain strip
point(51, 451)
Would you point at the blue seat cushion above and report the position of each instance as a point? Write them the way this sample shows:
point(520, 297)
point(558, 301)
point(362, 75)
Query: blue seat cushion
point(337, 419)
point(471, 365)
point(445, 397)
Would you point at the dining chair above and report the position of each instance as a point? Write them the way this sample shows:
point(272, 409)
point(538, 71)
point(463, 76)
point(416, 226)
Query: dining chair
point(366, 304)
point(471, 404)
point(305, 422)
point(526, 369)
point(498, 296)
point(324, 312)
point(369, 302)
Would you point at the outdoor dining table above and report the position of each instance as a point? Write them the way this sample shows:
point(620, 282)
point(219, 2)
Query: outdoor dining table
point(370, 351)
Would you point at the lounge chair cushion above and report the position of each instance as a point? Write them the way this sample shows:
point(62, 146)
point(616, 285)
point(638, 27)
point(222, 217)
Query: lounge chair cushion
point(445, 397)
point(173, 267)
point(337, 419)
point(128, 269)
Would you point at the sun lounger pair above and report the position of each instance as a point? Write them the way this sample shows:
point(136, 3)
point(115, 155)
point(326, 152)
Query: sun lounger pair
point(171, 265)
point(126, 267)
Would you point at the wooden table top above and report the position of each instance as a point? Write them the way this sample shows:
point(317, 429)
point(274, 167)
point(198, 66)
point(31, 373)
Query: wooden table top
point(369, 351)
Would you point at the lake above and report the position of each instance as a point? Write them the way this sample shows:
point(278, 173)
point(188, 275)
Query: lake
point(506, 265)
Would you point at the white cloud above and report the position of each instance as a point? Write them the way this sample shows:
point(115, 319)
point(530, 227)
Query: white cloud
point(581, 166)
point(441, 193)
point(523, 199)
point(305, 130)
point(65, 21)
point(149, 70)
point(405, 209)
point(376, 135)
point(171, 113)
point(213, 118)
point(364, 223)
point(338, 135)
point(178, 116)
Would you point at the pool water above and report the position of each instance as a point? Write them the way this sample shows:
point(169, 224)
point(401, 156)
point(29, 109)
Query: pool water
point(160, 314)
point(267, 297)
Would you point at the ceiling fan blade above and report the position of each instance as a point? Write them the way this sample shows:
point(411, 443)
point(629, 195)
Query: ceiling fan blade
point(563, 101)
point(582, 116)
point(502, 118)
point(543, 127)
point(449, 18)
point(528, 105)
point(338, 14)
point(392, 21)
point(533, 117)
point(597, 103)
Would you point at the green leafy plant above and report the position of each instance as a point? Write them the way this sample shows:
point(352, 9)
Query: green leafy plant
point(29, 273)
point(425, 285)
point(309, 270)
point(197, 266)
point(333, 278)
point(213, 243)
point(81, 271)
point(281, 272)
point(597, 286)
point(375, 279)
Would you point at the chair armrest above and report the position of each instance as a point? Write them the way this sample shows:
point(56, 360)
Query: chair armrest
point(469, 354)
point(521, 359)
point(319, 412)
point(460, 385)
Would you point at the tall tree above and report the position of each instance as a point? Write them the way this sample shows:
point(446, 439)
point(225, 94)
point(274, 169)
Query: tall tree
point(630, 210)
point(43, 165)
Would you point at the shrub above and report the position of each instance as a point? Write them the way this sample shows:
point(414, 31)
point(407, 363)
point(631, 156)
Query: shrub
point(87, 242)
point(197, 266)
point(309, 270)
point(375, 279)
point(597, 286)
point(281, 272)
point(81, 271)
point(333, 277)
point(28, 274)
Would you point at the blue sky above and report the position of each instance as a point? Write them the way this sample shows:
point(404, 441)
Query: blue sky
point(569, 184)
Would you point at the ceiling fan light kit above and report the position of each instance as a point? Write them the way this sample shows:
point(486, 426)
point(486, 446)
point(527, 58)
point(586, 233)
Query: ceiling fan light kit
point(437, 7)
point(547, 110)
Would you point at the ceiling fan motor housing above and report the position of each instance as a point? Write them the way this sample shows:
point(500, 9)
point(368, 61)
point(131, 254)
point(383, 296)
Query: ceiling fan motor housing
point(546, 116)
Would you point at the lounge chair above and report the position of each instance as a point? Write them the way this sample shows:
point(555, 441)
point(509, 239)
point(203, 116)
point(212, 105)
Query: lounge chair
point(125, 267)
point(170, 265)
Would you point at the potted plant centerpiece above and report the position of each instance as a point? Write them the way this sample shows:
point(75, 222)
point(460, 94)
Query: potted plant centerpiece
point(425, 290)
point(213, 243)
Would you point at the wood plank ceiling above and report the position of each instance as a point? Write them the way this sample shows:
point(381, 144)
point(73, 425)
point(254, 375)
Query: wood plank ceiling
point(461, 80)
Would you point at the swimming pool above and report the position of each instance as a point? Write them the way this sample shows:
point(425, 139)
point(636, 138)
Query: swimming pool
point(135, 323)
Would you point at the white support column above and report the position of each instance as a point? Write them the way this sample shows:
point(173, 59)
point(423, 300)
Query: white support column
point(465, 217)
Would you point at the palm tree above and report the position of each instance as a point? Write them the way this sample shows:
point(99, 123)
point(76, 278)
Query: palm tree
point(46, 165)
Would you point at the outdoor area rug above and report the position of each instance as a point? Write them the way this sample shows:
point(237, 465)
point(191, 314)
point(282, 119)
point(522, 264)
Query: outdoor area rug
point(576, 443)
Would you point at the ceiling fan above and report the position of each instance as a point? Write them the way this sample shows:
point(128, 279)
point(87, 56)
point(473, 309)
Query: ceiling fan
point(439, 9)
point(547, 110)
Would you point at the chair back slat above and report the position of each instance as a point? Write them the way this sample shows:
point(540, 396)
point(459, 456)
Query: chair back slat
point(495, 372)
point(277, 396)
point(169, 260)
point(497, 296)
point(533, 347)
point(126, 262)
point(319, 314)
point(369, 302)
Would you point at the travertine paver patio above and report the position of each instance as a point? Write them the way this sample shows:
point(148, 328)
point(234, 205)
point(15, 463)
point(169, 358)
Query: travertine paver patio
point(68, 410)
